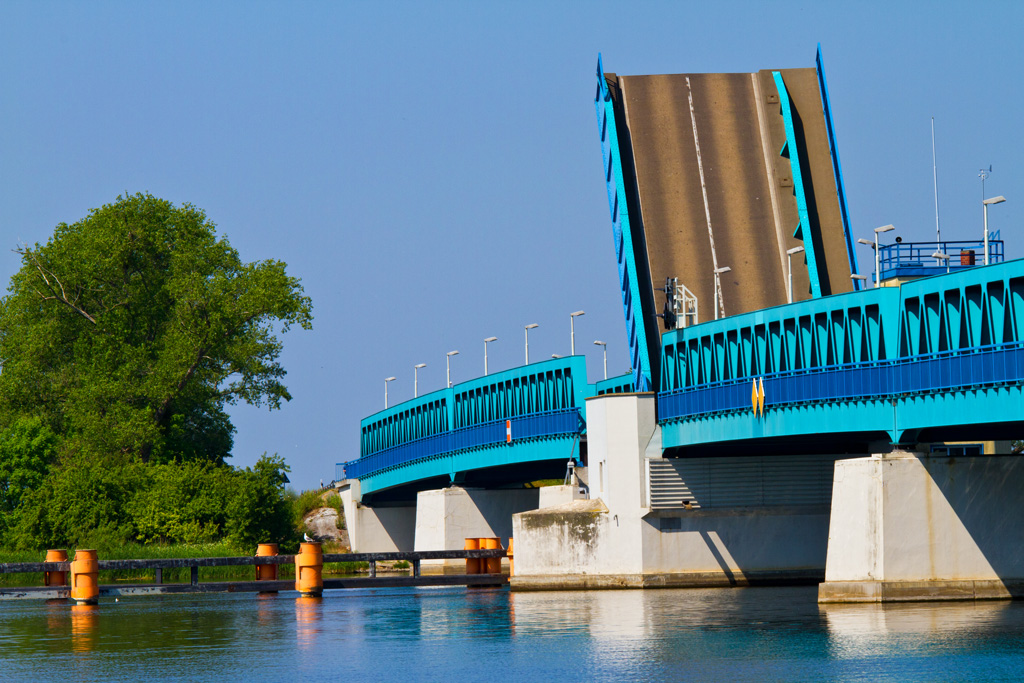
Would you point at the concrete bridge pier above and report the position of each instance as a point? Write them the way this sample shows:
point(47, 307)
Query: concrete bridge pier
point(905, 526)
point(445, 518)
point(379, 529)
point(629, 536)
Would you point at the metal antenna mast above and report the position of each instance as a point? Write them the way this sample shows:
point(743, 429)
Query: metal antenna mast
point(935, 182)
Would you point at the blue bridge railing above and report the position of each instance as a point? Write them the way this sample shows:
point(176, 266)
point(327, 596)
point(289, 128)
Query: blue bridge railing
point(534, 426)
point(914, 259)
point(933, 372)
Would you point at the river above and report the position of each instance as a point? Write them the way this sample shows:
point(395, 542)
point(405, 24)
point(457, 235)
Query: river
point(754, 634)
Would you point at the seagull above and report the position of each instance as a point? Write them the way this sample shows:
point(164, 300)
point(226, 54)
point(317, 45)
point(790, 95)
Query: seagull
point(307, 539)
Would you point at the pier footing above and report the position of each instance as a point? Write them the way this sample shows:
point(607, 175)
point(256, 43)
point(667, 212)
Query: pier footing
point(907, 527)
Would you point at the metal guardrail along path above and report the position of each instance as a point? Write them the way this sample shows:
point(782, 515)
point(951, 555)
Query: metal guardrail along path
point(195, 586)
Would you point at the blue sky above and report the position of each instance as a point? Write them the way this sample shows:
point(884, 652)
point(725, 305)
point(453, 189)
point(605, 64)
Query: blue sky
point(432, 171)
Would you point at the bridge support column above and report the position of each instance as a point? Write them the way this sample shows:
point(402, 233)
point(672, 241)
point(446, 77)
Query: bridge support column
point(622, 538)
point(908, 527)
point(380, 529)
point(445, 518)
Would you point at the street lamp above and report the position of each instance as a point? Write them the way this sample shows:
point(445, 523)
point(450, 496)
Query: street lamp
point(858, 278)
point(604, 348)
point(719, 304)
point(527, 329)
point(486, 341)
point(994, 200)
point(942, 257)
point(572, 332)
point(416, 378)
point(789, 255)
point(878, 255)
point(386, 380)
point(555, 356)
point(448, 366)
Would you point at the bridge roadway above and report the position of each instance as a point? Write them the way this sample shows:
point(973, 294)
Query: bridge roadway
point(940, 358)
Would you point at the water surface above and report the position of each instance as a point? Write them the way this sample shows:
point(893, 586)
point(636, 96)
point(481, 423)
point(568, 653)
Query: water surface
point(757, 634)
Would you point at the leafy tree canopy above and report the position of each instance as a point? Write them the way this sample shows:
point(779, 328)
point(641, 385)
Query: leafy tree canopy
point(130, 331)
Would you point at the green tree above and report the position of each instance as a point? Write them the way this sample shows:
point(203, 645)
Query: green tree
point(131, 330)
point(260, 512)
point(27, 449)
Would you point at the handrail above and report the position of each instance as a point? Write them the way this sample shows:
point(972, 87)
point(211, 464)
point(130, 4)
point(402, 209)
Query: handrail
point(187, 562)
point(901, 255)
point(926, 373)
point(530, 426)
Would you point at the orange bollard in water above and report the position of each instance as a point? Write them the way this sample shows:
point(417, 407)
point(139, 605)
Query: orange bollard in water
point(85, 577)
point(492, 565)
point(511, 563)
point(266, 572)
point(55, 578)
point(309, 569)
point(472, 563)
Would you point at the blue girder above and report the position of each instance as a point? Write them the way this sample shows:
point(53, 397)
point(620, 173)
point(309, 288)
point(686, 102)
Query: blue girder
point(621, 232)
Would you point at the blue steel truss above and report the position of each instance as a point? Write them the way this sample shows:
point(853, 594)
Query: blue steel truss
point(540, 402)
point(623, 237)
point(791, 150)
point(858, 357)
point(837, 169)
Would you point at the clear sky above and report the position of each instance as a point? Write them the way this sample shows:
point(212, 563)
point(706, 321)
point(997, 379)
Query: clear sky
point(432, 171)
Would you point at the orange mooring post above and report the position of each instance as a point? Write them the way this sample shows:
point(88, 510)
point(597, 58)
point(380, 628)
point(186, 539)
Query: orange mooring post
point(472, 563)
point(309, 569)
point(266, 572)
point(85, 577)
point(492, 565)
point(511, 562)
point(55, 578)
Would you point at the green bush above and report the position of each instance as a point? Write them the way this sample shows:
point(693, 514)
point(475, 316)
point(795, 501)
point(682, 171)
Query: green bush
point(106, 505)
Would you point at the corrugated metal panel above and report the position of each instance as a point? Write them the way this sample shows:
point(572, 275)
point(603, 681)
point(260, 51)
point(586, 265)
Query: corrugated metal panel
point(742, 481)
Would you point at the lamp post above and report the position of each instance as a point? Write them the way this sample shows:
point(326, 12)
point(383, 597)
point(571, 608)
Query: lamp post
point(416, 379)
point(555, 356)
point(604, 348)
point(386, 380)
point(527, 329)
point(719, 304)
point(789, 255)
point(939, 256)
point(985, 202)
point(572, 331)
point(858, 278)
point(448, 366)
point(486, 341)
point(878, 254)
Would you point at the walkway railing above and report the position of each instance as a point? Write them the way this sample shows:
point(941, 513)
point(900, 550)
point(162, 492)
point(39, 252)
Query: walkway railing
point(915, 258)
point(415, 578)
point(538, 425)
point(926, 373)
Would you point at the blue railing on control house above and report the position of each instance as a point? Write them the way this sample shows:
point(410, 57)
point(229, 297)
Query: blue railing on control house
point(955, 331)
point(915, 259)
point(539, 400)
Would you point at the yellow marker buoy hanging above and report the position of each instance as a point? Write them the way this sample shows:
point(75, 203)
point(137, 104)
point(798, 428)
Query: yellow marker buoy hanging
point(55, 578)
point(753, 396)
point(760, 395)
point(85, 574)
point(511, 562)
point(309, 569)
